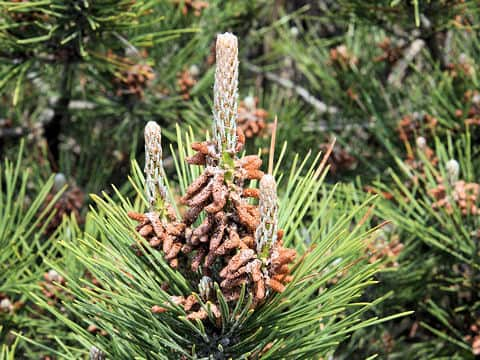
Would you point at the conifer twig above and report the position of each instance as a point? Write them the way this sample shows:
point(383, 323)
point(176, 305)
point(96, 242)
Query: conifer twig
point(398, 72)
point(61, 116)
point(320, 106)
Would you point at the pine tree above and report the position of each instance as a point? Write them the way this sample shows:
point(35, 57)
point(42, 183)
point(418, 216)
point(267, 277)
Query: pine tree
point(355, 69)
point(418, 81)
point(25, 212)
point(82, 78)
point(433, 205)
point(147, 270)
point(225, 277)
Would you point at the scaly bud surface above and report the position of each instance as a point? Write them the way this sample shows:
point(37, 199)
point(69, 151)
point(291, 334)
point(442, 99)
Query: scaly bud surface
point(266, 233)
point(226, 93)
point(156, 190)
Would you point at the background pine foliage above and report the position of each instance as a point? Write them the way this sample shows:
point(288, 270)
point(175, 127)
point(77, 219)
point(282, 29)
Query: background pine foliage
point(25, 212)
point(80, 79)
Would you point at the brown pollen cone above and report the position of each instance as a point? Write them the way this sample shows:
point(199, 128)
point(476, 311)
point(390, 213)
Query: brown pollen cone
point(69, 203)
point(216, 243)
point(251, 119)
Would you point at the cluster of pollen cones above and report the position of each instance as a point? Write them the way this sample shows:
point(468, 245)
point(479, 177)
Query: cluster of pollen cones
point(224, 239)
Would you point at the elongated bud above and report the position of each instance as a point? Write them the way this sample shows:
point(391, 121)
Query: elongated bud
point(421, 142)
point(96, 354)
point(205, 287)
point(266, 233)
point(225, 93)
point(53, 276)
point(453, 170)
point(6, 305)
point(156, 190)
point(59, 182)
point(250, 103)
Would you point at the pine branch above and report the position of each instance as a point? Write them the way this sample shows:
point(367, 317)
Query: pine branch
point(220, 279)
point(397, 73)
point(61, 116)
point(320, 106)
